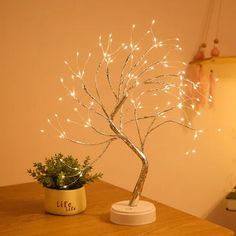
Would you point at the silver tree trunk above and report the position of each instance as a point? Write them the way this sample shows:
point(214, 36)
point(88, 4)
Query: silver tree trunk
point(142, 176)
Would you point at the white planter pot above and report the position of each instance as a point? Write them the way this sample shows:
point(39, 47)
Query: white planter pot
point(65, 202)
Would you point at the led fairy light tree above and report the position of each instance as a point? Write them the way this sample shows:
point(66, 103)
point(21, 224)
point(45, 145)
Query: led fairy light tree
point(146, 76)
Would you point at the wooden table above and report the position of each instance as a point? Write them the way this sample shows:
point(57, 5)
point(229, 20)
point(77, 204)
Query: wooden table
point(22, 213)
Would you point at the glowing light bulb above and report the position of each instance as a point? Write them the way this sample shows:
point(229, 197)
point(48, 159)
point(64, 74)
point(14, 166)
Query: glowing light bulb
point(72, 93)
point(62, 80)
point(56, 115)
point(49, 121)
point(68, 120)
point(66, 62)
point(42, 131)
point(153, 22)
point(194, 151)
point(60, 99)
point(187, 153)
point(75, 109)
point(133, 26)
point(180, 105)
point(219, 130)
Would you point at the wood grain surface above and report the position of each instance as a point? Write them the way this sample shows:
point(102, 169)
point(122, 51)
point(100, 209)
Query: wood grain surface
point(22, 213)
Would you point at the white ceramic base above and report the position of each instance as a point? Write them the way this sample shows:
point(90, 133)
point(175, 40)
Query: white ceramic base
point(123, 214)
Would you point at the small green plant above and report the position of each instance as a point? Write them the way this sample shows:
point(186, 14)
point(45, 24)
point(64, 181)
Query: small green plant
point(63, 172)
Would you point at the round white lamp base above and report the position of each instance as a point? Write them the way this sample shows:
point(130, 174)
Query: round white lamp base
point(123, 214)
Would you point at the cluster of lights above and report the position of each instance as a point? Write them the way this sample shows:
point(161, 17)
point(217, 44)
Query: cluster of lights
point(77, 174)
point(131, 79)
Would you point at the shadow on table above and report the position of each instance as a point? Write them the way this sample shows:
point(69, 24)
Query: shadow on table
point(219, 215)
point(105, 218)
point(18, 207)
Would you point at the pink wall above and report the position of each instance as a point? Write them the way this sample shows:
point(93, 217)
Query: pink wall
point(37, 36)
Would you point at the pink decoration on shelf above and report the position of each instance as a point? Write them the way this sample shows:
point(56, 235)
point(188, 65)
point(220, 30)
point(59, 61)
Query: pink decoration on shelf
point(201, 92)
point(200, 55)
point(215, 52)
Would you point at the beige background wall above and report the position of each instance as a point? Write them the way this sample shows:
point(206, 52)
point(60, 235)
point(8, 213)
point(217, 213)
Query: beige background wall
point(37, 36)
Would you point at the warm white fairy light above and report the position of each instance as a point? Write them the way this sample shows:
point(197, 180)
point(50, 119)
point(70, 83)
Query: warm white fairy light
point(88, 123)
point(42, 131)
point(72, 93)
point(180, 105)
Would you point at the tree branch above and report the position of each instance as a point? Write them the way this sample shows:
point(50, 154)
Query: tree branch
point(138, 128)
point(118, 106)
point(92, 144)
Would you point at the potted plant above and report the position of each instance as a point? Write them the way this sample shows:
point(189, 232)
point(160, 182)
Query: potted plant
point(63, 178)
